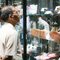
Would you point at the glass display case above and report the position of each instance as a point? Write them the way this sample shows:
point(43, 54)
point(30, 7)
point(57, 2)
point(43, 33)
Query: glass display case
point(43, 28)
point(43, 41)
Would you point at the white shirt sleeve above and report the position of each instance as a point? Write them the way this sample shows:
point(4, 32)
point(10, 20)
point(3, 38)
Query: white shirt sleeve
point(11, 45)
point(19, 51)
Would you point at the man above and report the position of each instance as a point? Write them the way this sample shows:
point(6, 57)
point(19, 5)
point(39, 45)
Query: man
point(9, 41)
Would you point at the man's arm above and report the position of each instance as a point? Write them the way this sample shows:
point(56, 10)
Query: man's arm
point(11, 48)
point(19, 51)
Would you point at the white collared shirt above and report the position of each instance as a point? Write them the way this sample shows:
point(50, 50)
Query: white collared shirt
point(9, 41)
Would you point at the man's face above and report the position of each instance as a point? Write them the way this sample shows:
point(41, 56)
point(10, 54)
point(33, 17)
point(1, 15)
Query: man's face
point(15, 15)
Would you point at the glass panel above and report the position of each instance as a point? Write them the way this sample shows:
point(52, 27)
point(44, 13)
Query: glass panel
point(43, 29)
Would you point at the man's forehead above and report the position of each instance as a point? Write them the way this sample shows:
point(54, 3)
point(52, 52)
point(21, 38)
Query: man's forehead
point(6, 7)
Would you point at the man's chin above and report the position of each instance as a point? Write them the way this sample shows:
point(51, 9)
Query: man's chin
point(17, 23)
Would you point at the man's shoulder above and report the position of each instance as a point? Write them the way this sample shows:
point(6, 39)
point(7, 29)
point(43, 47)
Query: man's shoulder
point(12, 31)
point(8, 30)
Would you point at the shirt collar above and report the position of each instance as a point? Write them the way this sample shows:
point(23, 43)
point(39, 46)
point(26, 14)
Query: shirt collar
point(9, 25)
